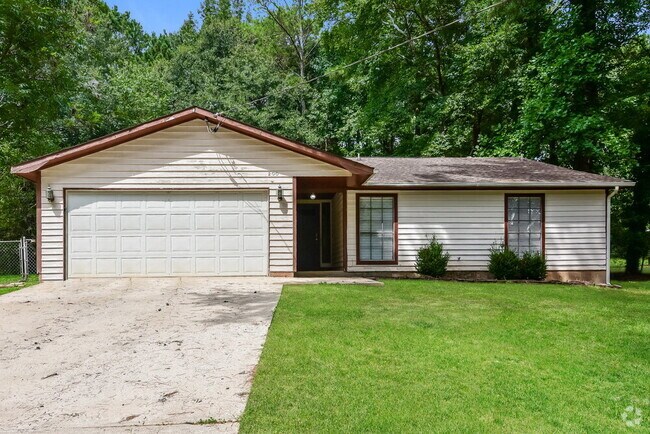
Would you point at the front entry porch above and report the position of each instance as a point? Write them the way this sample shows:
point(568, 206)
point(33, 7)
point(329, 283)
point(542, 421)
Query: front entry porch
point(320, 227)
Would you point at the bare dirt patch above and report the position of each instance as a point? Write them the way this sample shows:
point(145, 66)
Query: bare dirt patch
point(131, 352)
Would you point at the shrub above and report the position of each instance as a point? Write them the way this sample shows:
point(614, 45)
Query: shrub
point(532, 266)
point(432, 260)
point(504, 263)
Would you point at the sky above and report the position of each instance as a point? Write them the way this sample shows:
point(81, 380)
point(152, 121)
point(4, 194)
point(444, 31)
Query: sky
point(157, 15)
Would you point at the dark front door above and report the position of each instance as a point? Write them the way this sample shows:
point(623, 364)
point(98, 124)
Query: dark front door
point(308, 237)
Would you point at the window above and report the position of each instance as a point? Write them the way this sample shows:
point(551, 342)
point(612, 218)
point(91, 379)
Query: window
point(377, 224)
point(525, 223)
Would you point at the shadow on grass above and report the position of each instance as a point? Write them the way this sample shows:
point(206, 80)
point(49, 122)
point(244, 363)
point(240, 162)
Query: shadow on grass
point(625, 277)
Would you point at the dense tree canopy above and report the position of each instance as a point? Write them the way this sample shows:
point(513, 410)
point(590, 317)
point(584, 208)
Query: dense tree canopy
point(563, 81)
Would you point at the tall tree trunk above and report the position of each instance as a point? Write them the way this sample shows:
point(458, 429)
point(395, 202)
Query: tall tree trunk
point(587, 99)
point(552, 153)
point(639, 213)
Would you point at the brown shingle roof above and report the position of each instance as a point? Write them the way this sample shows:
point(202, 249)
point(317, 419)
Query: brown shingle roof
point(390, 171)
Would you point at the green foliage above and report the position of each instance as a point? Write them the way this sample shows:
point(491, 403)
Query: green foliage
point(566, 83)
point(33, 81)
point(432, 260)
point(532, 266)
point(504, 263)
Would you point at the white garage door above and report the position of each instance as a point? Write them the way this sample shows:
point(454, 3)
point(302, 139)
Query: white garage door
point(167, 233)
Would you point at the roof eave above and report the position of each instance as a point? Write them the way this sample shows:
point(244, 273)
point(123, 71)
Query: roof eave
point(30, 168)
point(505, 185)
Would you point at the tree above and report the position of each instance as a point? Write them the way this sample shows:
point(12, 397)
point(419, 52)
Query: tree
point(560, 81)
point(633, 114)
point(34, 81)
point(34, 35)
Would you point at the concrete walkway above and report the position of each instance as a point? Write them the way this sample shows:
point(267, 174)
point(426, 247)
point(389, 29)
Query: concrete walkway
point(124, 355)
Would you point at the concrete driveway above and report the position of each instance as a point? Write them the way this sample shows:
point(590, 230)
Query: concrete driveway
point(111, 355)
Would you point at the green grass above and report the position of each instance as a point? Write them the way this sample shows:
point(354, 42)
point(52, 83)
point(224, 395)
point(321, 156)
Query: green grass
point(617, 265)
point(6, 279)
point(423, 356)
point(209, 421)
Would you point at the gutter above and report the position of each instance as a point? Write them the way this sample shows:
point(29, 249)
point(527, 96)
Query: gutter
point(609, 234)
point(614, 184)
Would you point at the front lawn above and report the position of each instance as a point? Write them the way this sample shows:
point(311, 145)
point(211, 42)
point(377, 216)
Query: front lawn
point(15, 278)
point(421, 356)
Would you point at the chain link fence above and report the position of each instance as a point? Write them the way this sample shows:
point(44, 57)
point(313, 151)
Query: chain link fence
point(18, 257)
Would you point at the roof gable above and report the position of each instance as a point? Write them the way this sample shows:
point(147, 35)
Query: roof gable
point(30, 169)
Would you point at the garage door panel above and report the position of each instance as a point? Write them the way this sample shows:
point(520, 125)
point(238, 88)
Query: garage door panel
point(109, 201)
point(253, 264)
point(82, 267)
point(156, 266)
point(106, 266)
point(229, 201)
point(206, 266)
point(254, 243)
point(106, 244)
point(230, 265)
point(80, 223)
point(131, 222)
point(156, 244)
point(155, 203)
point(181, 265)
point(156, 222)
point(180, 222)
point(81, 245)
point(181, 204)
point(229, 222)
point(131, 244)
point(204, 222)
point(167, 233)
point(229, 243)
point(132, 266)
point(131, 204)
point(205, 243)
point(253, 221)
point(181, 243)
point(107, 223)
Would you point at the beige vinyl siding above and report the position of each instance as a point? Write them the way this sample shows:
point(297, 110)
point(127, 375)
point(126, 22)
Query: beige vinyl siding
point(576, 230)
point(468, 223)
point(186, 156)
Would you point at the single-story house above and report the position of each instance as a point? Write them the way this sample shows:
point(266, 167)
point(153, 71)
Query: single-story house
point(199, 194)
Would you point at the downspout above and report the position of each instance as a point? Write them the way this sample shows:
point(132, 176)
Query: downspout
point(609, 233)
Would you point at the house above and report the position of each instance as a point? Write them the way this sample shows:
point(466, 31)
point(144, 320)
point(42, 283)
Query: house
point(198, 194)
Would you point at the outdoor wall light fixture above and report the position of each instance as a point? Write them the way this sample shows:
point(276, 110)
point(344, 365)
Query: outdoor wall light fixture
point(49, 194)
point(312, 196)
point(280, 193)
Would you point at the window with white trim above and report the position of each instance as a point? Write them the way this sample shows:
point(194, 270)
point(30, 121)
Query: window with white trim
point(525, 224)
point(376, 228)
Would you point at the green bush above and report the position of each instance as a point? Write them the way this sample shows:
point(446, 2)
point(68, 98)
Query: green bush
point(532, 266)
point(432, 260)
point(504, 263)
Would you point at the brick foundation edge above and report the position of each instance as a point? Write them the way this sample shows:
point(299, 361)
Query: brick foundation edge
point(281, 274)
point(592, 276)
